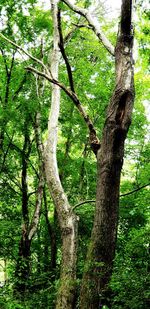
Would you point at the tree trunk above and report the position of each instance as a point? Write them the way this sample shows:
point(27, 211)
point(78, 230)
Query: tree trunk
point(67, 220)
point(28, 230)
point(98, 269)
point(52, 238)
point(5, 101)
point(22, 266)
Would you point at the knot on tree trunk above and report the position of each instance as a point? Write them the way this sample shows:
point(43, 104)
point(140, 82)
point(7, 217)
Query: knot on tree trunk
point(94, 142)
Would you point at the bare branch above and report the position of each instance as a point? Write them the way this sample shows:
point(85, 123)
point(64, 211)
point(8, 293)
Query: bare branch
point(94, 141)
point(135, 190)
point(82, 203)
point(93, 24)
point(62, 49)
point(121, 195)
point(95, 144)
point(82, 26)
point(25, 52)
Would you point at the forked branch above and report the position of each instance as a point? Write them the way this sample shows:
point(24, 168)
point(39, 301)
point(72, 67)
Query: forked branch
point(94, 141)
point(62, 49)
point(93, 25)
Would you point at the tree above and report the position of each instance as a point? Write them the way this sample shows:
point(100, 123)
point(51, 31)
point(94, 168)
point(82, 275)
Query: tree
point(101, 252)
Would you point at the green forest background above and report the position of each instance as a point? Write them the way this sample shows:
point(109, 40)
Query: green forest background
point(93, 70)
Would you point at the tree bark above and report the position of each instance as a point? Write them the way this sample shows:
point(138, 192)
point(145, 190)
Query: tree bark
point(67, 220)
point(22, 266)
point(98, 269)
point(52, 236)
point(29, 230)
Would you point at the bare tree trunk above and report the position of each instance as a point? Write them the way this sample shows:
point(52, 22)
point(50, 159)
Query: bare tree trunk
point(67, 145)
point(52, 236)
point(101, 252)
point(67, 220)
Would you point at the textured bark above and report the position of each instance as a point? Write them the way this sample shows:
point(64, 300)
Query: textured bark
point(52, 236)
point(40, 150)
point(67, 220)
point(67, 145)
point(39, 193)
point(98, 269)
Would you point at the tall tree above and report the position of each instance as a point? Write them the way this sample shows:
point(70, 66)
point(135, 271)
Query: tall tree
point(67, 219)
point(101, 252)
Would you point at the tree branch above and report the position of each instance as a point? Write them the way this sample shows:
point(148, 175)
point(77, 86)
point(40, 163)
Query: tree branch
point(5, 154)
point(82, 26)
point(94, 141)
point(12, 145)
point(93, 24)
point(25, 52)
point(11, 188)
point(20, 87)
point(121, 195)
point(62, 49)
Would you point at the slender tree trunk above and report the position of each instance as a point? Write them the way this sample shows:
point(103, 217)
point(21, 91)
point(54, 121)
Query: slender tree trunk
point(67, 220)
point(67, 145)
point(99, 264)
point(5, 101)
point(29, 230)
point(52, 236)
point(22, 267)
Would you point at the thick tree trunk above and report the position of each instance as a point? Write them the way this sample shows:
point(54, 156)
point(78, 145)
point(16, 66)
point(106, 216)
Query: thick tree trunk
point(98, 268)
point(67, 220)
